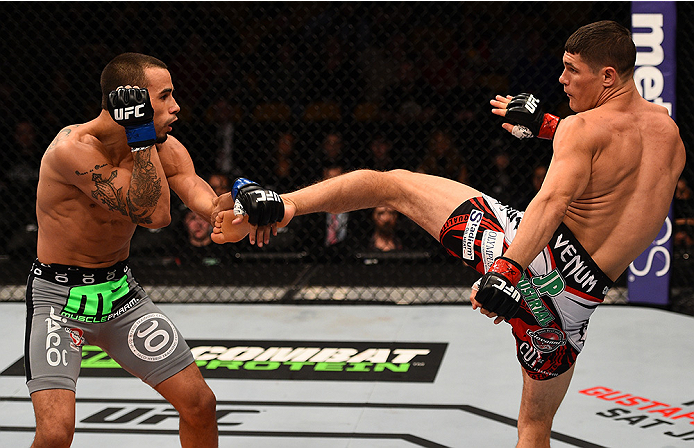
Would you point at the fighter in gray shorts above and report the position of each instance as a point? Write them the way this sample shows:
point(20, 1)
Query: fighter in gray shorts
point(68, 307)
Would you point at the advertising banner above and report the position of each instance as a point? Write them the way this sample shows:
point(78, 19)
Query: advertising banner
point(653, 26)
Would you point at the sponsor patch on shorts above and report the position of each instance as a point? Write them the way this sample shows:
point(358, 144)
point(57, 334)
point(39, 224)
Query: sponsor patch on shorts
point(470, 234)
point(152, 337)
point(547, 340)
point(491, 248)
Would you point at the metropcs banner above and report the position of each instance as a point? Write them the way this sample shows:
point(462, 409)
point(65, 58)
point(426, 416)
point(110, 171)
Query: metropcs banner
point(653, 27)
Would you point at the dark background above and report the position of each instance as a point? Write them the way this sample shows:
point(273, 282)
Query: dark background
point(412, 75)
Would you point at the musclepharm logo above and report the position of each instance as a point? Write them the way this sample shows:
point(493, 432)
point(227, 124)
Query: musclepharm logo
point(470, 234)
point(125, 113)
point(532, 104)
point(649, 55)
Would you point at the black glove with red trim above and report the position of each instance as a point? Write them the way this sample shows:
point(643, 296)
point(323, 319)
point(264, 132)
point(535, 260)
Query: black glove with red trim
point(525, 112)
point(497, 291)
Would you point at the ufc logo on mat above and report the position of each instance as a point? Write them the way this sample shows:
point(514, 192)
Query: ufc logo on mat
point(531, 104)
point(125, 113)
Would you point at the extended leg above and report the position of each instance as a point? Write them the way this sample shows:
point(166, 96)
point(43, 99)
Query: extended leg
point(427, 200)
point(539, 404)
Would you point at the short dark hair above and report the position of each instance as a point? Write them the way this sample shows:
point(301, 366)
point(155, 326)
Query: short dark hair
point(126, 69)
point(602, 44)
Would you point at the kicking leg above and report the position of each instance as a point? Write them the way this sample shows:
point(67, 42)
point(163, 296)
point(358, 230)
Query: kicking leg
point(195, 402)
point(539, 404)
point(427, 200)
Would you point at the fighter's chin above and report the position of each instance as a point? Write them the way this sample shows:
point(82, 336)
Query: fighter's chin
point(573, 105)
point(162, 139)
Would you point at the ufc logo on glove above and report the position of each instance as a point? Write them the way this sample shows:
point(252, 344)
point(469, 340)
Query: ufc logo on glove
point(126, 113)
point(507, 289)
point(532, 104)
point(265, 196)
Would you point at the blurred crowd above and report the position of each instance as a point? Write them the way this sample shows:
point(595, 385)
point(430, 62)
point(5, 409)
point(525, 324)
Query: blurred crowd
point(289, 94)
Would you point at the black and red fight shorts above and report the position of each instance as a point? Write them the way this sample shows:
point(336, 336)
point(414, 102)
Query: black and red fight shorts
point(561, 288)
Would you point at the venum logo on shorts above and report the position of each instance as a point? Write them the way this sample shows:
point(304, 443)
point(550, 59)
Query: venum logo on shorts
point(152, 337)
point(547, 340)
point(470, 234)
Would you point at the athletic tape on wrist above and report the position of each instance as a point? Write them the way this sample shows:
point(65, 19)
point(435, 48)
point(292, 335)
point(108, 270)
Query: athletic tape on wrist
point(521, 132)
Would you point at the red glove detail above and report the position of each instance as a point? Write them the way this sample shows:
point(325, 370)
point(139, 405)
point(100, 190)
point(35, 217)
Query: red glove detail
point(549, 127)
point(508, 268)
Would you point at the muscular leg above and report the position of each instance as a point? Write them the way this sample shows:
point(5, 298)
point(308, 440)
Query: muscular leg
point(196, 406)
point(55, 417)
point(427, 200)
point(539, 404)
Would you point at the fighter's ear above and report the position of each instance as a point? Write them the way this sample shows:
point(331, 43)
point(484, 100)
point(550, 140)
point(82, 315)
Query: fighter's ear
point(609, 76)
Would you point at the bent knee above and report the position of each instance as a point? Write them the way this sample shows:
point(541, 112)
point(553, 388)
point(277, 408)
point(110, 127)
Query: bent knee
point(398, 172)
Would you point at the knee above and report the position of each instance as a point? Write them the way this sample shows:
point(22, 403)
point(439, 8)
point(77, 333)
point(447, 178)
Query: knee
point(54, 436)
point(202, 410)
point(397, 180)
point(398, 172)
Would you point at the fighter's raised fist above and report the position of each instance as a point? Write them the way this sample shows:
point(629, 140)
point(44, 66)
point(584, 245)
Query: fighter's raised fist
point(130, 107)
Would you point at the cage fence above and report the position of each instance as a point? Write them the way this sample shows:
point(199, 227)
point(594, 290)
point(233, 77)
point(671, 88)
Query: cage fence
point(288, 93)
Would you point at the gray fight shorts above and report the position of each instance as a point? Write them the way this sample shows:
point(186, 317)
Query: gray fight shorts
point(68, 307)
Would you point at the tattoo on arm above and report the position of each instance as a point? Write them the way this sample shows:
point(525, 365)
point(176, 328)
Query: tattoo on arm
point(145, 188)
point(144, 192)
point(62, 135)
point(108, 194)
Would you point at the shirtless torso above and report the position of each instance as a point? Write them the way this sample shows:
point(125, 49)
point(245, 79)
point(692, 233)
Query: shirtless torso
point(76, 227)
point(612, 177)
point(93, 191)
point(636, 164)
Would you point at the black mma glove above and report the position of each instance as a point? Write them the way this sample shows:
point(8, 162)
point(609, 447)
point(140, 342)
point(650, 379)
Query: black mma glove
point(131, 109)
point(262, 206)
point(497, 291)
point(525, 112)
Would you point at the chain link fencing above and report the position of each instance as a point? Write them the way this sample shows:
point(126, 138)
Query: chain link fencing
point(287, 94)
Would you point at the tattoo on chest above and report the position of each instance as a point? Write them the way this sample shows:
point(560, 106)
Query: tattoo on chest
point(142, 197)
